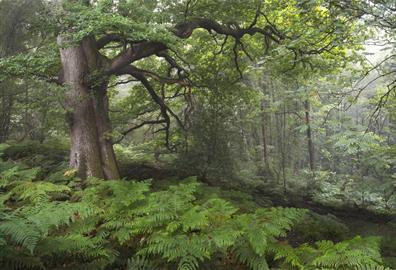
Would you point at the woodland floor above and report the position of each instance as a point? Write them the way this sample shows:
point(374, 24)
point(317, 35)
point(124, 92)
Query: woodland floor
point(358, 221)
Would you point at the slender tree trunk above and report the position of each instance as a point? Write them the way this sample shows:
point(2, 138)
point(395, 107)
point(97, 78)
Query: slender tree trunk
point(311, 152)
point(91, 152)
point(264, 137)
point(5, 118)
point(284, 148)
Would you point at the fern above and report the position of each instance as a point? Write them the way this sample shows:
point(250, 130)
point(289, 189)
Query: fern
point(16, 173)
point(37, 192)
point(87, 250)
point(193, 235)
point(11, 258)
point(28, 225)
point(94, 228)
point(249, 257)
point(355, 254)
point(188, 262)
point(141, 263)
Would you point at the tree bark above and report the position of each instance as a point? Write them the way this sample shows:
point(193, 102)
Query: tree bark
point(103, 124)
point(311, 152)
point(92, 153)
point(6, 104)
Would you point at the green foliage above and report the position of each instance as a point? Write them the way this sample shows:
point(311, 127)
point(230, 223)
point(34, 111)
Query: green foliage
point(27, 226)
point(102, 19)
point(315, 227)
point(8, 176)
point(141, 263)
point(52, 151)
point(215, 143)
point(91, 229)
point(182, 231)
point(51, 220)
point(357, 253)
point(48, 159)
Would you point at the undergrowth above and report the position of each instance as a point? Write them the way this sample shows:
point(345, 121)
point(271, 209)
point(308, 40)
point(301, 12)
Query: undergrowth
point(121, 224)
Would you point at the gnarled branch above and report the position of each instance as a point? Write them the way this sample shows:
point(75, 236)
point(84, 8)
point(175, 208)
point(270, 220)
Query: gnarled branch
point(164, 109)
point(133, 53)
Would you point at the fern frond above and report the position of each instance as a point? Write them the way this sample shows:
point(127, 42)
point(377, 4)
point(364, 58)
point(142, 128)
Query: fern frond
point(141, 263)
point(188, 263)
point(16, 173)
point(247, 256)
point(38, 191)
point(28, 225)
point(11, 258)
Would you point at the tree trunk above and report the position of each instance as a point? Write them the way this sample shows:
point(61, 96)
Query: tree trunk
point(103, 124)
point(92, 153)
point(264, 137)
point(284, 148)
point(309, 136)
point(6, 104)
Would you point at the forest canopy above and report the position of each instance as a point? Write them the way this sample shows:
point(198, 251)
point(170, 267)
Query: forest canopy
point(197, 134)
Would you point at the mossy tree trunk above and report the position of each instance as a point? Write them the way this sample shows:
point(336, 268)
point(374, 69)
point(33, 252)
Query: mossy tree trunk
point(86, 100)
